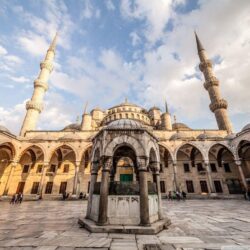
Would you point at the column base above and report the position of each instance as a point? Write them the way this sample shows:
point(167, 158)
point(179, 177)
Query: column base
point(153, 228)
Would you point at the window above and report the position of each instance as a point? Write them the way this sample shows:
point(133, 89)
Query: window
point(39, 169)
point(186, 167)
point(190, 186)
point(218, 187)
point(199, 167)
point(49, 186)
point(20, 187)
point(126, 115)
point(52, 168)
point(162, 185)
point(88, 186)
point(227, 167)
point(63, 187)
point(204, 188)
point(234, 186)
point(120, 116)
point(213, 167)
point(66, 168)
point(35, 187)
point(26, 169)
point(161, 168)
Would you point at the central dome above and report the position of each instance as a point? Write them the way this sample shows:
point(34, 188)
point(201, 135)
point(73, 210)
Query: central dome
point(124, 124)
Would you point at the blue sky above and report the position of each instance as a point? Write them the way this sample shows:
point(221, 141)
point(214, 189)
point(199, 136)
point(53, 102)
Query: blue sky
point(139, 49)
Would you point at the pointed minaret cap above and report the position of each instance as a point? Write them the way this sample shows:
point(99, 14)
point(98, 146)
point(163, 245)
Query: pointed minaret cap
point(53, 44)
point(166, 107)
point(85, 108)
point(198, 42)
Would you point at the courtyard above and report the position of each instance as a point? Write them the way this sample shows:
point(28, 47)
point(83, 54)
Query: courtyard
point(196, 224)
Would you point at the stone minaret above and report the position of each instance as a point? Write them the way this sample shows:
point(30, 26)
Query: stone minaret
point(86, 120)
point(166, 122)
point(218, 105)
point(35, 106)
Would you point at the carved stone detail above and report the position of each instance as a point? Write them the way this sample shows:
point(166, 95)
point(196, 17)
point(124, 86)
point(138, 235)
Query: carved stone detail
point(38, 83)
point(46, 65)
point(206, 64)
point(221, 104)
point(213, 81)
point(34, 105)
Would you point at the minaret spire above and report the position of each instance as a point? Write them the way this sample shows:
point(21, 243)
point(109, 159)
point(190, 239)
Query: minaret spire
point(166, 107)
point(218, 105)
point(35, 106)
point(53, 43)
point(198, 42)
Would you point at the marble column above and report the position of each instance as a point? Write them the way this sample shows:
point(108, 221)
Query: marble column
point(210, 180)
point(242, 176)
point(41, 185)
point(93, 179)
point(143, 185)
point(158, 186)
point(77, 166)
point(104, 191)
point(176, 187)
point(12, 169)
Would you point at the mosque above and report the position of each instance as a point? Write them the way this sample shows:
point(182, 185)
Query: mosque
point(125, 143)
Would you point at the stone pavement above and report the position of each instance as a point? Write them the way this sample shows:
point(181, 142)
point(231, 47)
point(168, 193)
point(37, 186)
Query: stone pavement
point(196, 224)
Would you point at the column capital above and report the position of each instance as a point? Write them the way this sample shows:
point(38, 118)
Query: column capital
point(142, 163)
point(106, 162)
point(238, 162)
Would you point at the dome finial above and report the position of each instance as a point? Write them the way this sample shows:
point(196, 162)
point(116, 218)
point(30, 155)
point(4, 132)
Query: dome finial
point(126, 100)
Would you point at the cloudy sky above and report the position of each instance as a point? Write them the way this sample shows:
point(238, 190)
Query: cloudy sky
point(108, 50)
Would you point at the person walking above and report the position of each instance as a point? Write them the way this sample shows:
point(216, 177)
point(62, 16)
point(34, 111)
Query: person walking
point(184, 195)
point(19, 198)
point(13, 199)
point(170, 197)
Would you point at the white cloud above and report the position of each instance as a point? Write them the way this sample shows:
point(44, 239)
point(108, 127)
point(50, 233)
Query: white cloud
point(3, 51)
point(20, 79)
point(135, 38)
point(110, 5)
point(89, 10)
point(155, 14)
point(33, 43)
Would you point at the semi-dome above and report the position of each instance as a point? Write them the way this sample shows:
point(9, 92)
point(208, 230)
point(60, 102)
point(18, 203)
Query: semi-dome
point(181, 135)
point(124, 124)
point(4, 129)
point(72, 127)
point(246, 127)
point(180, 126)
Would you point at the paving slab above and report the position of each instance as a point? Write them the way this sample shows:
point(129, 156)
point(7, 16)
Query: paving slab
point(196, 225)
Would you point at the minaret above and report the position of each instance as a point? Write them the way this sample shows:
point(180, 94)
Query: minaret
point(218, 105)
point(166, 122)
point(35, 106)
point(86, 120)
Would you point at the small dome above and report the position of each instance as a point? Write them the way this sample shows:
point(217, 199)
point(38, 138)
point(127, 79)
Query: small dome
point(124, 124)
point(246, 127)
point(69, 137)
point(154, 108)
point(230, 136)
point(4, 129)
point(180, 126)
point(179, 135)
point(72, 127)
point(208, 135)
point(43, 137)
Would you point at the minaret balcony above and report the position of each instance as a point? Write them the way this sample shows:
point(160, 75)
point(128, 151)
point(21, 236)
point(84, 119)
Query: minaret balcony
point(34, 105)
point(46, 65)
point(221, 104)
point(213, 81)
point(205, 64)
point(38, 83)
